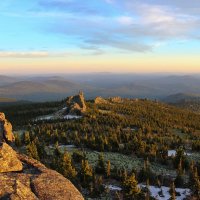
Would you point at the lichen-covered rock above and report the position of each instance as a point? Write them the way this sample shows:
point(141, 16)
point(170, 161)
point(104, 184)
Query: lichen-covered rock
point(8, 159)
point(6, 133)
point(76, 104)
point(36, 182)
point(22, 192)
point(56, 187)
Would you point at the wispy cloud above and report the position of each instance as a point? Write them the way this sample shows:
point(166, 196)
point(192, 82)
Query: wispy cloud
point(23, 54)
point(135, 28)
point(130, 26)
point(31, 54)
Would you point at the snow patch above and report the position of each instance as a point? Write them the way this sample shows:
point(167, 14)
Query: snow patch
point(173, 153)
point(63, 146)
point(154, 192)
point(113, 188)
point(47, 117)
point(72, 117)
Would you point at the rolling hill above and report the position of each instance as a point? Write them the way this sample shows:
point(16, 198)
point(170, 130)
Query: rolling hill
point(51, 88)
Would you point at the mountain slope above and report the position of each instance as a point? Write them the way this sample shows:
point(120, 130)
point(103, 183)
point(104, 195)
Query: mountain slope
point(182, 97)
point(51, 88)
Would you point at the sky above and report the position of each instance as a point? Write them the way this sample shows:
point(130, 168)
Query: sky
point(66, 36)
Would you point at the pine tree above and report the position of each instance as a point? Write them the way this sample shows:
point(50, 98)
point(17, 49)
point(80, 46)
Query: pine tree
point(196, 183)
point(32, 151)
point(147, 196)
point(86, 173)
point(100, 168)
point(172, 191)
point(18, 141)
point(65, 166)
point(130, 186)
point(108, 168)
point(27, 139)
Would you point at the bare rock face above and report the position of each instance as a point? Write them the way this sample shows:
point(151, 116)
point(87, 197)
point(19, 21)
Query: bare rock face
point(36, 182)
point(6, 130)
point(76, 104)
point(8, 159)
point(100, 100)
point(116, 100)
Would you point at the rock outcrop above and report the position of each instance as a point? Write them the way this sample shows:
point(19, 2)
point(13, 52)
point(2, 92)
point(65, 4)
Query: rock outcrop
point(23, 178)
point(36, 182)
point(8, 159)
point(6, 129)
point(100, 100)
point(76, 104)
point(116, 100)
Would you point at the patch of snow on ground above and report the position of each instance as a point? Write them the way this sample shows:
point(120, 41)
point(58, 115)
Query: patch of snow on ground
point(171, 152)
point(72, 117)
point(67, 146)
point(63, 146)
point(166, 195)
point(113, 188)
point(47, 117)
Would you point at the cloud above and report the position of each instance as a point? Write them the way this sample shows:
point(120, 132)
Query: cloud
point(9, 54)
point(31, 54)
point(133, 26)
point(76, 6)
point(125, 20)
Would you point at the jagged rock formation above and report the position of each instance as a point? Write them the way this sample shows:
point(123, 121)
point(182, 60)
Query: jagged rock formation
point(76, 104)
point(8, 159)
point(6, 129)
point(100, 100)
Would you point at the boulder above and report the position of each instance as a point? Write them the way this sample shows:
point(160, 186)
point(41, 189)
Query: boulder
point(6, 133)
point(8, 159)
point(36, 181)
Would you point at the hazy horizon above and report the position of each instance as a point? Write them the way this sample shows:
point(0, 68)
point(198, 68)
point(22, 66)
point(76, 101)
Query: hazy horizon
point(144, 74)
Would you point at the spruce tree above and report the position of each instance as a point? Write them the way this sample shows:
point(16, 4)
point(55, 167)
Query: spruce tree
point(172, 191)
point(100, 167)
point(65, 166)
point(32, 151)
point(86, 173)
point(196, 183)
point(108, 168)
point(130, 187)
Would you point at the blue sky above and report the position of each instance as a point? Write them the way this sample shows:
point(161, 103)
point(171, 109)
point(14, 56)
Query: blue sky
point(93, 33)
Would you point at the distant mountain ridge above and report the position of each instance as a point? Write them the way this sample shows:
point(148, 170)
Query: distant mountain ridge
point(51, 88)
point(182, 97)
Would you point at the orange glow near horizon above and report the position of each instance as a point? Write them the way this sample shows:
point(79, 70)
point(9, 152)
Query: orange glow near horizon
point(81, 64)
